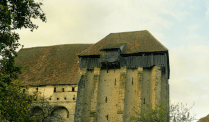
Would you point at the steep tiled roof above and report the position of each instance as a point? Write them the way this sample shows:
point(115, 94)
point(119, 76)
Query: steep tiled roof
point(50, 65)
point(204, 119)
point(136, 41)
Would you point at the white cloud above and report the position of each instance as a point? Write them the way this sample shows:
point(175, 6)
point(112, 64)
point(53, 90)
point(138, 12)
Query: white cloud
point(207, 13)
point(189, 77)
point(89, 21)
point(194, 27)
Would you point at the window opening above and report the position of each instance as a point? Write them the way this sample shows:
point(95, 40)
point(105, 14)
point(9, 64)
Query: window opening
point(107, 117)
point(37, 89)
point(58, 98)
point(65, 98)
point(63, 90)
point(106, 100)
point(74, 97)
point(73, 88)
point(132, 81)
point(67, 115)
point(55, 90)
point(50, 98)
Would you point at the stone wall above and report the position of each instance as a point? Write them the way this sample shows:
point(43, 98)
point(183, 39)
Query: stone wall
point(104, 95)
point(114, 95)
point(55, 103)
point(108, 95)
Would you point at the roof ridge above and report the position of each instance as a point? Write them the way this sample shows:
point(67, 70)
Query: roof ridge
point(137, 41)
point(59, 45)
point(129, 31)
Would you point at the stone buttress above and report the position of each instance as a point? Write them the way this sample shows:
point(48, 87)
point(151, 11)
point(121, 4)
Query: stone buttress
point(115, 85)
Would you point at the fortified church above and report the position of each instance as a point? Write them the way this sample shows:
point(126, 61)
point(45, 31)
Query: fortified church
point(103, 82)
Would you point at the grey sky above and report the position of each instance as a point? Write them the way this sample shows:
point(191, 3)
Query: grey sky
point(181, 26)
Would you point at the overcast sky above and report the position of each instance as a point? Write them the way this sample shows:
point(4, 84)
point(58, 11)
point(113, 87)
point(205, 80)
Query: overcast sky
point(180, 25)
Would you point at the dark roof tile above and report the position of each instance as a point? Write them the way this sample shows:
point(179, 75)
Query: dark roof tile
point(50, 65)
point(136, 41)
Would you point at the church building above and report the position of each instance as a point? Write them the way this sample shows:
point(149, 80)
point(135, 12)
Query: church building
point(103, 82)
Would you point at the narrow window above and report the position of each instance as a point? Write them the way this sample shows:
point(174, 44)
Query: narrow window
point(73, 88)
point(132, 81)
point(23, 91)
point(63, 90)
point(107, 117)
point(115, 81)
point(67, 115)
point(55, 89)
point(106, 100)
point(74, 97)
point(144, 100)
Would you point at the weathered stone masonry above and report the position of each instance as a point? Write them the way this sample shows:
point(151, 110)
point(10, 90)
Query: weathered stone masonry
point(103, 82)
point(121, 83)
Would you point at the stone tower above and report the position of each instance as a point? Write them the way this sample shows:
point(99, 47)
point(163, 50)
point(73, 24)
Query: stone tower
point(120, 74)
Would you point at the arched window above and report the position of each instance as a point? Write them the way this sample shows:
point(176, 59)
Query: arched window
point(38, 112)
point(60, 111)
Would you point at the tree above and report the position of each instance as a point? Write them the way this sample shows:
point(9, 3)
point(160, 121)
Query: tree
point(14, 14)
point(15, 105)
point(176, 113)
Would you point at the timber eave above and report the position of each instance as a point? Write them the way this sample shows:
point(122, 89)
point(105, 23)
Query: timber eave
point(144, 53)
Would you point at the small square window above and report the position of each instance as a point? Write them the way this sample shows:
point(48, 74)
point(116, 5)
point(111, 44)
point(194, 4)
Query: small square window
point(74, 97)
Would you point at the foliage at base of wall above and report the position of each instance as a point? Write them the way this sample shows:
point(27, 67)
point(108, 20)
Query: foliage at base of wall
point(14, 104)
point(176, 113)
